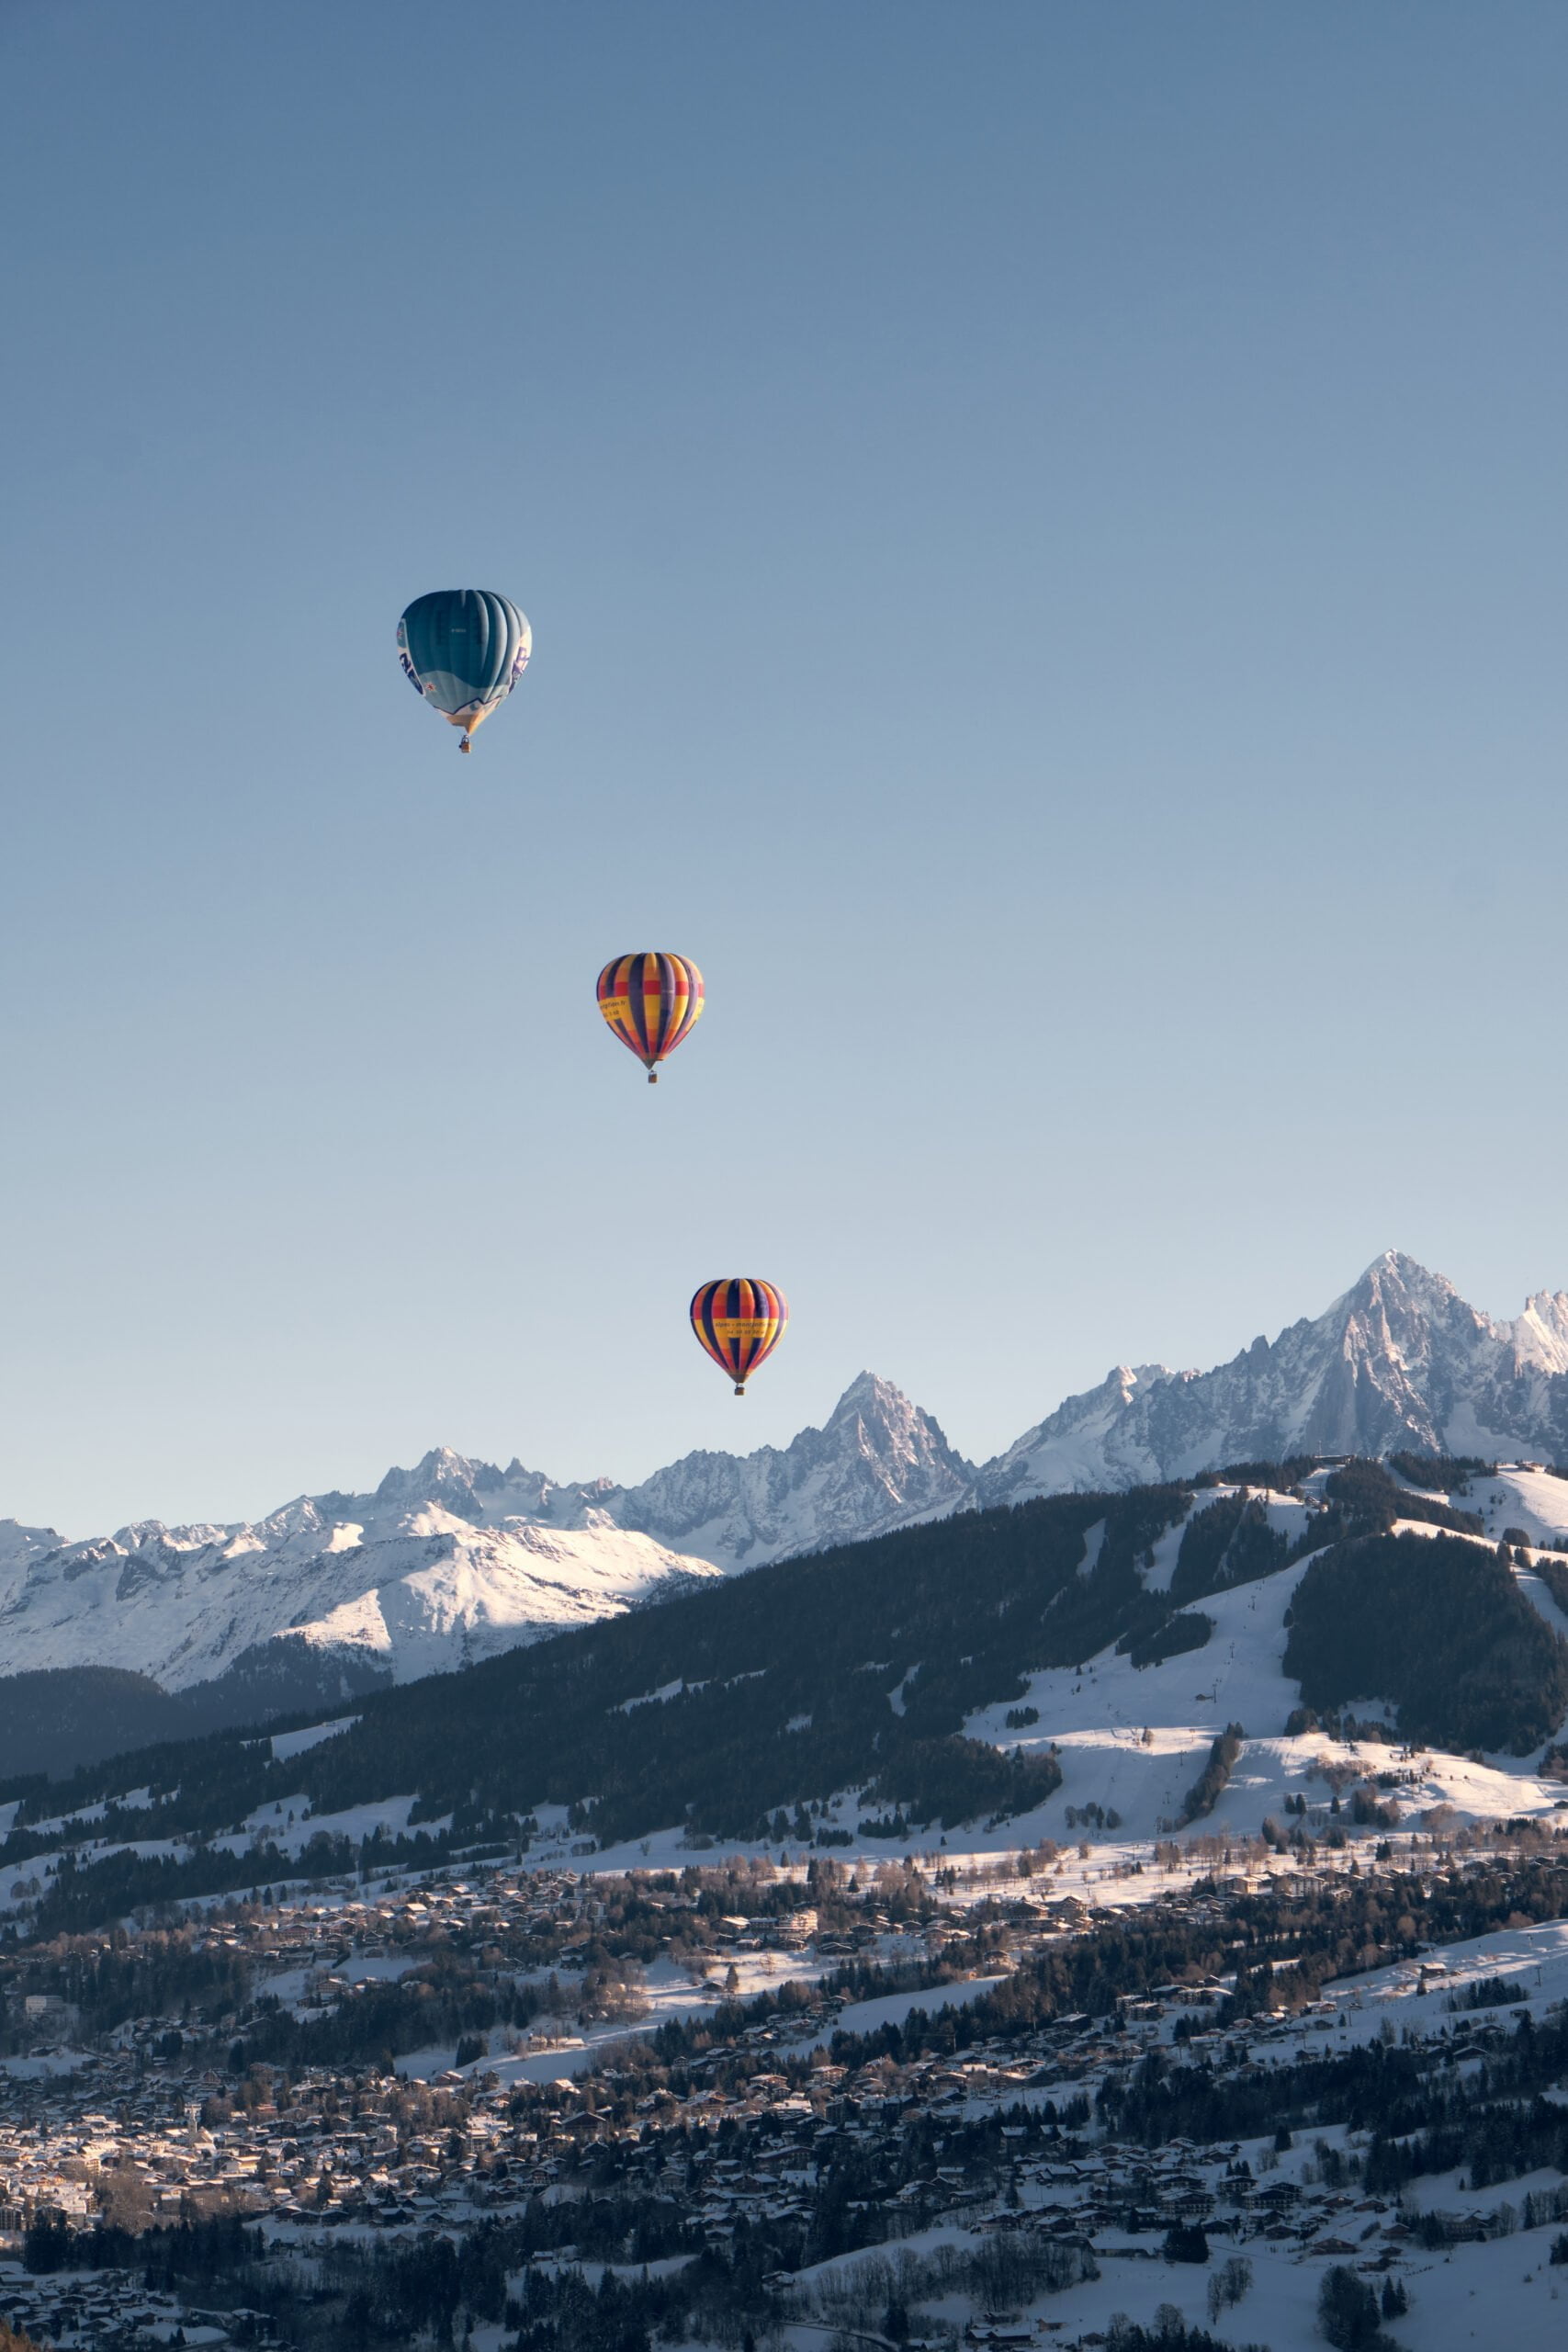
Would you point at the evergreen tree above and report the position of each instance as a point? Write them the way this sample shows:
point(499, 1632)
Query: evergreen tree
point(1348, 2311)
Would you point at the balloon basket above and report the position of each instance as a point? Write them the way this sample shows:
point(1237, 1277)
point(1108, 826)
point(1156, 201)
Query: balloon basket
point(740, 1388)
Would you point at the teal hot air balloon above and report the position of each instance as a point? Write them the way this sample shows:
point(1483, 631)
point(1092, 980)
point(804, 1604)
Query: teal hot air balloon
point(464, 650)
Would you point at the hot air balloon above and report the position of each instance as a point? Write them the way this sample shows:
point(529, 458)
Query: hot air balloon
point(464, 650)
point(740, 1321)
point(651, 1002)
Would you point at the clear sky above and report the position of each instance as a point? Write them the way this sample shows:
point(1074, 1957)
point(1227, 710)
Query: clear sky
point(1044, 528)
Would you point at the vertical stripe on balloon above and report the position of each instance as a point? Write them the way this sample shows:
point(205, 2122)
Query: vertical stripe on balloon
point(740, 1322)
point(651, 1002)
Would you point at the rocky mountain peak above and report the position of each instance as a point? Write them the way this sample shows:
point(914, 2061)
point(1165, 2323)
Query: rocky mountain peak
point(1539, 1336)
point(884, 1419)
point(438, 1476)
point(1398, 1304)
point(878, 1462)
point(869, 1393)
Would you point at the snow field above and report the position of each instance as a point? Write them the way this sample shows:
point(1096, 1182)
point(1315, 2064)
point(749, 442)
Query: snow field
point(286, 1745)
point(1286, 1515)
point(669, 1992)
point(1532, 1963)
point(892, 2009)
point(1518, 1496)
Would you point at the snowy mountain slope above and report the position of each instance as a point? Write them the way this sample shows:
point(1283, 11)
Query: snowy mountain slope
point(412, 1593)
point(1535, 1501)
point(452, 1559)
point(1038, 1635)
point(1131, 1739)
point(1400, 1360)
point(1135, 1739)
point(20, 1547)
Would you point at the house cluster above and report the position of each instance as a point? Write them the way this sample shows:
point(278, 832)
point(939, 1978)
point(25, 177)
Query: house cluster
point(158, 2122)
point(109, 2312)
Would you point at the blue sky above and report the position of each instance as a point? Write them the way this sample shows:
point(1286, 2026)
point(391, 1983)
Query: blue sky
point(1044, 531)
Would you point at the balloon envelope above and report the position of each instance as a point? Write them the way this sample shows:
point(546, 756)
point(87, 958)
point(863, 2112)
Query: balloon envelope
point(464, 650)
point(651, 1002)
point(740, 1321)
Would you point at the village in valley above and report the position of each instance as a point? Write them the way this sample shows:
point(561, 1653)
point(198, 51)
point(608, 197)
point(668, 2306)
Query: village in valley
point(762, 2097)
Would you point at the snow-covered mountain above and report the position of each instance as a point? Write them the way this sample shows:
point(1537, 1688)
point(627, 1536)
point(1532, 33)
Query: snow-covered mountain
point(879, 1463)
point(456, 1559)
point(452, 1560)
point(389, 1588)
point(1399, 1360)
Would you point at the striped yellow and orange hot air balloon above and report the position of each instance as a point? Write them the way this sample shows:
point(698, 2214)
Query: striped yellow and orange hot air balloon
point(740, 1321)
point(651, 1002)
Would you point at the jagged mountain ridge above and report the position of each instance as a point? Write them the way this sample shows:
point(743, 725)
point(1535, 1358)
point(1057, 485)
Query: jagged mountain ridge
point(1399, 1359)
point(454, 1559)
point(878, 1462)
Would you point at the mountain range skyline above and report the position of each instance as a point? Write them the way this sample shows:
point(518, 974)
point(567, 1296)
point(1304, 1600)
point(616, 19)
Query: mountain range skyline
point(1143, 1420)
point(455, 1560)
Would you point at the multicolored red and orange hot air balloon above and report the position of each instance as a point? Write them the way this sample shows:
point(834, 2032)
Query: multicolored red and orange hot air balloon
point(651, 1002)
point(740, 1321)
